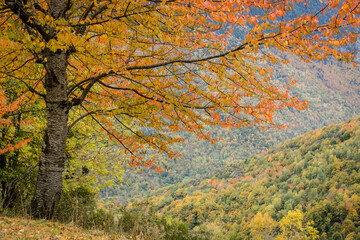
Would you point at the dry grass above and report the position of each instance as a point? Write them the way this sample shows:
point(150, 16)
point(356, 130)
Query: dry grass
point(24, 229)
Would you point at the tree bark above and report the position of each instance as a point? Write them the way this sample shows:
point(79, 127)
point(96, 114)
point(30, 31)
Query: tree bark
point(52, 161)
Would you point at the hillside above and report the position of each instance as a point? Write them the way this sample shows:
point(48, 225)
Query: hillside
point(333, 92)
point(304, 188)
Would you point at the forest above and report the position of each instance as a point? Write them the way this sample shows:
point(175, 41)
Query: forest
point(305, 188)
point(179, 119)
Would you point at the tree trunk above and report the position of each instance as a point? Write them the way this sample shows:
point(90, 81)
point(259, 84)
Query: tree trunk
point(52, 161)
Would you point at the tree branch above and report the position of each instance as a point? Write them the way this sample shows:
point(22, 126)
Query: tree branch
point(106, 130)
point(131, 89)
point(28, 19)
point(84, 116)
point(140, 136)
point(31, 89)
point(163, 64)
point(93, 80)
point(39, 8)
point(80, 29)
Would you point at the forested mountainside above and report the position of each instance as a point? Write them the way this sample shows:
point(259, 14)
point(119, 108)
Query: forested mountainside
point(305, 188)
point(333, 92)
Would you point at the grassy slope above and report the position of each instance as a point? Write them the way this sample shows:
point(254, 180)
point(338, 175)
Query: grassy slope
point(22, 228)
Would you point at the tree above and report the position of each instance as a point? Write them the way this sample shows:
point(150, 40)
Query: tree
point(21, 125)
point(262, 226)
point(293, 226)
point(154, 67)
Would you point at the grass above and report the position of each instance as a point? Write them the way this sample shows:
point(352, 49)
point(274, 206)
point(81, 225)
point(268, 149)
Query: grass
point(26, 229)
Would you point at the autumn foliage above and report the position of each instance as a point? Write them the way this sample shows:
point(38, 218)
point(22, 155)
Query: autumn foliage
point(148, 60)
point(305, 188)
point(5, 122)
point(142, 69)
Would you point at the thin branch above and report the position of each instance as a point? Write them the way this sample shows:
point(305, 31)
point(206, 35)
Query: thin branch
point(15, 69)
point(154, 99)
point(93, 80)
point(78, 85)
point(113, 18)
point(105, 129)
point(31, 89)
point(25, 111)
point(133, 90)
point(98, 11)
point(157, 65)
point(138, 135)
point(84, 116)
point(79, 28)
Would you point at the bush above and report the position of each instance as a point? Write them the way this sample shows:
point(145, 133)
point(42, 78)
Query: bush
point(142, 221)
point(75, 205)
point(99, 219)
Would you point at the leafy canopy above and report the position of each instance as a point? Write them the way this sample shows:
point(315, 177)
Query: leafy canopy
point(140, 69)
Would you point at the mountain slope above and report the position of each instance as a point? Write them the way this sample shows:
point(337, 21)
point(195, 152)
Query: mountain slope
point(333, 92)
point(305, 188)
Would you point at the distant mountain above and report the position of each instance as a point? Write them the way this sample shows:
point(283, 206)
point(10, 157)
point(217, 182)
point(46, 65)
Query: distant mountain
point(305, 188)
point(332, 89)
